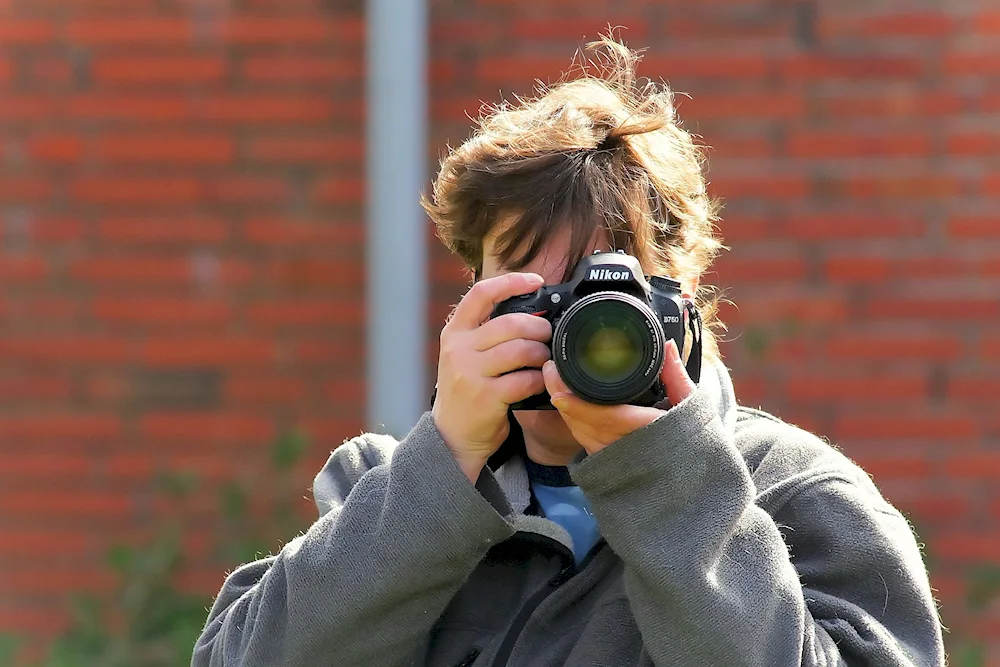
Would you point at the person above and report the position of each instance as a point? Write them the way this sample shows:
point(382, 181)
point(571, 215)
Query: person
point(691, 532)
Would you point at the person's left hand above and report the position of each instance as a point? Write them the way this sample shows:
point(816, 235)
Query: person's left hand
point(597, 426)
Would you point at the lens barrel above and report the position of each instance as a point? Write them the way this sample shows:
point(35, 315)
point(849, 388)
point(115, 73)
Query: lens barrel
point(608, 347)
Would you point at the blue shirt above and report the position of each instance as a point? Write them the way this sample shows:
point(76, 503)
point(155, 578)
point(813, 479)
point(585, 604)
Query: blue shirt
point(564, 503)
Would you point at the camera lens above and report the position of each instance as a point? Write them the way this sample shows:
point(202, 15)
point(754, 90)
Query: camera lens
point(609, 347)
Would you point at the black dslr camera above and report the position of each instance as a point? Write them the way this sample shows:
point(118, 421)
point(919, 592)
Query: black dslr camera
point(610, 325)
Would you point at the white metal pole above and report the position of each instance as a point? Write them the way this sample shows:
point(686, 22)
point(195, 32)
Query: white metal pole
point(396, 239)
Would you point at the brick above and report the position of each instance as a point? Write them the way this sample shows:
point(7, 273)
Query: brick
point(967, 546)
point(53, 72)
point(55, 230)
point(108, 386)
point(897, 24)
point(285, 314)
point(957, 309)
point(346, 389)
point(273, 232)
point(760, 187)
point(315, 273)
point(893, 187)
point(264, 109)
point(306, 150)
point(865, 388)
point(302, 69)
point(769, 309)
point(81, 504)
point(974, 227)
point(180, 149)
point(144, 108)
point(19, 619)
point(853, 67)
point(138, 270)
point(940, 267)
point(54, 149)
point(567, 29)
point(265, 390)
point(206, 351)
point(748, 64)
point(22, 269)
point(158, 71)
point(991, 348)
point(974, 388)
point(856, 268)
point(26, 32)
point(54, 581)
point(137, 190)
point(875, 346)
point(249, 190)
point(6, 70)
point(339, 190)
point(31, 541)
point(34, 387)
point(974, 143)
point(174, 313)
point(988, 22)
point(979, 465)
point(21, 467)
point(732, 146)
point(159, 231)
point(341, 29)
point(901, 427)
point(327, 352)
point(883, 467)
point(43, 310)
point(761, 269)
point(974, 64)
point(936, 508)
point(842, 144)
point(121, 31)
point(52, 426)
point(63, 351)
point(207, 428)
point(332, 430)
point(709, 106)
point(20, 107)
point(24, 189)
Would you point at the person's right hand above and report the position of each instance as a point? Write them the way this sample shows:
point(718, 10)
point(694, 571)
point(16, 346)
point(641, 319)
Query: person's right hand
point(478, 377)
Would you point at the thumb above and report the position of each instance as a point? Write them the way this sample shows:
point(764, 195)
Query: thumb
point(674, 375)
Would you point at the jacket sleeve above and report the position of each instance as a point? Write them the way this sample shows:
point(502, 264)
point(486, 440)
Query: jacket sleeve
point(364, 585)
point(710, 577)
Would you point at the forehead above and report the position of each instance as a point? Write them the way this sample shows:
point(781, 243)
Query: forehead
point(552, 257)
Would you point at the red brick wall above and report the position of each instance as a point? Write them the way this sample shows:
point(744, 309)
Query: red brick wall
point(181, 241)
point(181, 234)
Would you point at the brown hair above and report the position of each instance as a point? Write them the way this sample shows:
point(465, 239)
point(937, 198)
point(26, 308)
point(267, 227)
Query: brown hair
point(596, 149)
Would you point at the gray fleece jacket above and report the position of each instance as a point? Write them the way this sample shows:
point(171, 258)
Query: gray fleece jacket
point(730, 539)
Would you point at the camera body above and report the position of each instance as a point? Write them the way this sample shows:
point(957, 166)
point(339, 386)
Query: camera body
point(610, 325)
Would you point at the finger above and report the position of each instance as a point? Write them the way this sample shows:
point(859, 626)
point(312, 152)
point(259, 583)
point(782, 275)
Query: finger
point(675, 376)
point(512, 326)
point(477, 305)
point(514, 354)
point(603, 422)
point(519, 385)
point(553, 382)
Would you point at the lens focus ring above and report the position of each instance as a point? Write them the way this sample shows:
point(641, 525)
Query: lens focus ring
point(608, 348)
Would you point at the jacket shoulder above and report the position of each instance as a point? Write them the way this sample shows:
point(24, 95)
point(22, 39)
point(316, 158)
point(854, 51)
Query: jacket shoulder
point(347, 464)
point(784, 459)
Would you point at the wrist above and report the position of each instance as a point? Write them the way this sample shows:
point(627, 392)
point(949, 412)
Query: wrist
point(472, 467)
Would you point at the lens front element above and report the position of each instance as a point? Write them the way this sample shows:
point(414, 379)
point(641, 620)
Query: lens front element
point(609, 347)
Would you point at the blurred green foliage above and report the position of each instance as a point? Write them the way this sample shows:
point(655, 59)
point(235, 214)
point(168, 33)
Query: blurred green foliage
point(146, 621)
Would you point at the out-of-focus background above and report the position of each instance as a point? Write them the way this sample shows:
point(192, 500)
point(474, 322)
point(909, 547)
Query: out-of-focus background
point(188, 244)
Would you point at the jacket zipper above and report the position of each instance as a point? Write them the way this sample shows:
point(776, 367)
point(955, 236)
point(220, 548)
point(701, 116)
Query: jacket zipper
point(567, 573)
